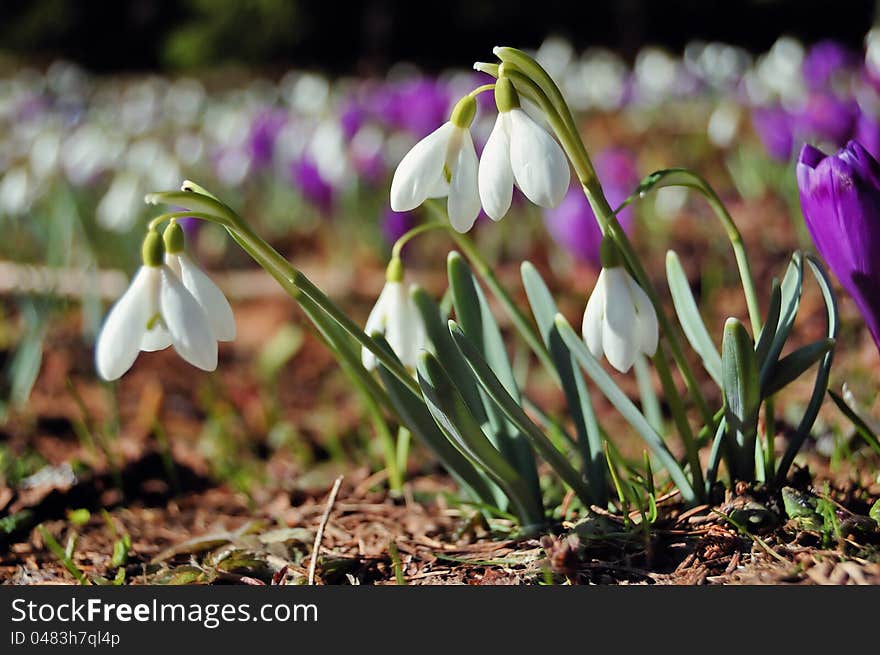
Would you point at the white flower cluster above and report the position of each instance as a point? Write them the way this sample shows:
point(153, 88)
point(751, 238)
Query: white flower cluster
point(444, 164)
point(170, 301)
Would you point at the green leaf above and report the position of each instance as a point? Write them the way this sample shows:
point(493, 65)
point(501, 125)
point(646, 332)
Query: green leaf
point(742, 396)
point(823, 372)
point(441, 344)
point(574, 386)
point(477, 321)
point(770, 324)
point(626, 408)
point(862, 428)
point(792, 366)
point(414, 413)
point(791, 288)
point(689, 317)
point(517, 416)
point(455, 419)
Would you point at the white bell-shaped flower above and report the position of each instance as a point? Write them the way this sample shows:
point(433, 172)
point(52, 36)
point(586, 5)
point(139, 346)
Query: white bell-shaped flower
point(207, 294)
point(397, 318)
point(155, 311)
point(444, 163)
point(521, 152)
point(620, 321)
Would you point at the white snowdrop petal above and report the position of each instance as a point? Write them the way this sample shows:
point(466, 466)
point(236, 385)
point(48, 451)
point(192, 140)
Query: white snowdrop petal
point(619, 330)
point(594, 316)
point(119, 341)
point(155, 339)
point(538, 162)
point(647, 319)
point(495, 174)
point(464, 196)
point(209, 296)
point(416, 177)
point(376, 322)
point(187, 323)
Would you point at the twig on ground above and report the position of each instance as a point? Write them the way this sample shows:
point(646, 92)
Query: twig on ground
point(313, 564)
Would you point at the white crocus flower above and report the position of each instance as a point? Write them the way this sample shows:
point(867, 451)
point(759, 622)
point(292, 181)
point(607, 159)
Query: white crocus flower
point(207, 294)
point(396, 317)
point(521, 152)
point(444, 163)
point(155, 311)
point(620, 321)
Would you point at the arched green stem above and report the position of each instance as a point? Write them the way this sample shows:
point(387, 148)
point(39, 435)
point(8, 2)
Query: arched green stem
point(413, 233)
point(291, 279)
point(481, 89)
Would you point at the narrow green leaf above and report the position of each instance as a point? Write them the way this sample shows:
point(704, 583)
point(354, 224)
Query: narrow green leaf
point(455, 419)
point(822, 373)
point(792, 366)
point(477, 322)
point(441, 344)
point(770, 323)
point(626, 408)
point(515, 414)
point(689, 317)
point(791, 289)
point(742, 396)
point(414, 413)
point(577, 396)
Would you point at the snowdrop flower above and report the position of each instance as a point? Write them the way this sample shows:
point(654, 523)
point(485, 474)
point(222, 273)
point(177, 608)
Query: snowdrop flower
point(520, 152)
point(155, 311)
point(620, 321)
point(396, 317)
point(202, 288)
point(444, 163)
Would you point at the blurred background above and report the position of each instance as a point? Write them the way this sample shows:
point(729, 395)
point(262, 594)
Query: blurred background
point(296, 113)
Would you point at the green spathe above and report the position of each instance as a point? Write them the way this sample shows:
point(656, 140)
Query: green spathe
point(152, 251)
point(506, 97)
point(174, 238)
point(464, 112)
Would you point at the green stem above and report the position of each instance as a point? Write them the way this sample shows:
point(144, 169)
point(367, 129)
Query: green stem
point(681, 421)
point(413, 233)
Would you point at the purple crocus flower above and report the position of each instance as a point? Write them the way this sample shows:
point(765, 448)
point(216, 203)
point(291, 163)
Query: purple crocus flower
point(774, 127)
point(261, 139)
point(572, 223)
point(825, 60)
point(306, 177)
point(840, 198)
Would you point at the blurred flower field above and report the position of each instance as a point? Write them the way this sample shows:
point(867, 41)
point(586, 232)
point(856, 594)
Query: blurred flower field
point(221, 477)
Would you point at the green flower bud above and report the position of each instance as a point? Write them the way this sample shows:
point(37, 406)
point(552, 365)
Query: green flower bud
point(506, 97)
point(394, 271)
point(152, 251)
point(464, 112)
point(173, 238)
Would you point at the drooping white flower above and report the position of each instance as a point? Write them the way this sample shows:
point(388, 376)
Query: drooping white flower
point(209, 296)
point(521, 152)
point(619, 321)
point(156, 311)
point(444, 163)
point(396, 317)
